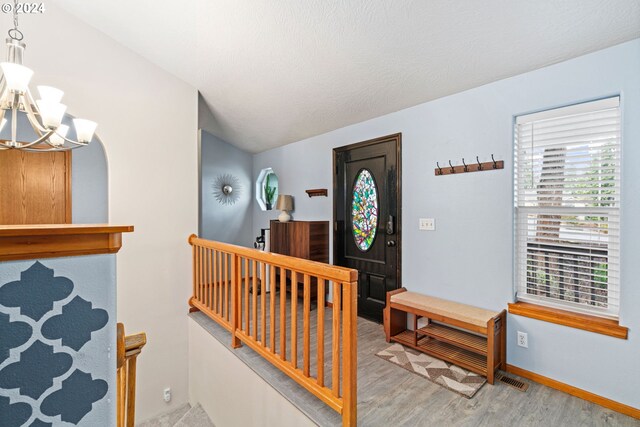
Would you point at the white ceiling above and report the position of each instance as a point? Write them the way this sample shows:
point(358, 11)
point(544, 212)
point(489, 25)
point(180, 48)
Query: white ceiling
point(274, 72)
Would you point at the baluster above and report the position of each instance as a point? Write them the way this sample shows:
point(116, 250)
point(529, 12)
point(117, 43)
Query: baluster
point(294, 319)
point(203, 285)
point(234, 288)
point(335, 348)
point(214, 283)
point(255, 300)
point(320, 308)
point(209, 278)
point(225, 278)
point(195, 269)
point(349, 354)
point(283, 314)
point(306, 327)
point(247, 264)
point(229, 288)
point(272, 310)
point(199, 297)
point(263, 302)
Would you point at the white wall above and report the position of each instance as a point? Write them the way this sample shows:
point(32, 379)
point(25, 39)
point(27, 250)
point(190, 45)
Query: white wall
point(148, 124)
point(469, 258)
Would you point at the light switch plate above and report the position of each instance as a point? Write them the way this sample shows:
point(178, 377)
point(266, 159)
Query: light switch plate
point(428, 224)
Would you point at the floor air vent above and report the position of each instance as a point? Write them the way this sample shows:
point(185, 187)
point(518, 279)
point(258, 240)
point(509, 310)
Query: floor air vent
point(517, 384)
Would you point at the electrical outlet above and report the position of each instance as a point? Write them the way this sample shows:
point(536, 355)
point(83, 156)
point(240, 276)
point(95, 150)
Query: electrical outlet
point(523, 340)
point(167, 394)
point(428, 224)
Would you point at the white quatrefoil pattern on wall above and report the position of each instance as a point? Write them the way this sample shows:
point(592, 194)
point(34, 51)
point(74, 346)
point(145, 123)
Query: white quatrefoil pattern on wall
point(45, 325)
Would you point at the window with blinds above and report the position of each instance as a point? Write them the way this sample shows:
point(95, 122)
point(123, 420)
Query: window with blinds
point(567, 200)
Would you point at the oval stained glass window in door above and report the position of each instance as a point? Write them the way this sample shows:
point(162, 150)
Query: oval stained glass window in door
point(364, 210)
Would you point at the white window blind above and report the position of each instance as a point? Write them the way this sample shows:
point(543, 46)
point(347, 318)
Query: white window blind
point(567, 197)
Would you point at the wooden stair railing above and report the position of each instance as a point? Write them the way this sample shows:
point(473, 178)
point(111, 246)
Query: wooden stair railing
point(129, 347)
point(230, 286)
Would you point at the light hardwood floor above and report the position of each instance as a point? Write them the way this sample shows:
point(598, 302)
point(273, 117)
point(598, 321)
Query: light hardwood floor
point(391, 396)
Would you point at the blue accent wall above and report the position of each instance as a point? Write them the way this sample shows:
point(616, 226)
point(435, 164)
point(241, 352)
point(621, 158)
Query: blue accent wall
point(57, 342)
point(225, 223)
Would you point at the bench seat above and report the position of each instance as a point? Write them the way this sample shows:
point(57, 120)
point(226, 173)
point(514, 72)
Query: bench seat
point(471, 337)
point(450, 309)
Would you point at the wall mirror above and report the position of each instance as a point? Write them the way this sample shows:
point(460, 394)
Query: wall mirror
point(267, 189)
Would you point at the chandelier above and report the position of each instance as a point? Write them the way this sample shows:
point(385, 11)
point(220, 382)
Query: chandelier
point(44, 115)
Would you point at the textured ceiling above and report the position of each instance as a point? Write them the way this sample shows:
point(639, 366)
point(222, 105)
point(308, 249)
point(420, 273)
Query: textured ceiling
point(274, 72)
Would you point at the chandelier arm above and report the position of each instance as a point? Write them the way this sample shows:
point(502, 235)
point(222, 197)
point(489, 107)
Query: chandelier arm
point(28, 108)
point(14, 124)
point(44, 150)
point(38, 127)
point(3, 89)
point(77, 143)
point(37, 141)
point(35, 123)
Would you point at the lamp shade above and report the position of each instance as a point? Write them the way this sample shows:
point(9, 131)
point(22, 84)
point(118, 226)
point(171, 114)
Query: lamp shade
point(17, 76)
point(51, 112)
point(284, 203)
point(50, 94)
point(84, 129)
point(57, 138)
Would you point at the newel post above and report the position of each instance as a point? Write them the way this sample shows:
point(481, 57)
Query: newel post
point(236, 279)
point(350, 353)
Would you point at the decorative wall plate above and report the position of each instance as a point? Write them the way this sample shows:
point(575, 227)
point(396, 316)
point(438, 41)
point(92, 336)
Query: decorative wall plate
point(227, 189)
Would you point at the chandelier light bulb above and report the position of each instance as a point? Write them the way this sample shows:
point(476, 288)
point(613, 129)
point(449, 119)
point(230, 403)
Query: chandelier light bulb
point(84, 129)
point(17, 76)
point(2, 123)
point(50, 94)
point(51, 113)
point(57, 138)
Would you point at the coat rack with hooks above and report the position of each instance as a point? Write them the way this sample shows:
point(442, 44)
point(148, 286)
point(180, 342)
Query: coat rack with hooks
point(471, 167)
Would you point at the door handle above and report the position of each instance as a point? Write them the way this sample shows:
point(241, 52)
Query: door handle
point(391, 243)
point(390, 225)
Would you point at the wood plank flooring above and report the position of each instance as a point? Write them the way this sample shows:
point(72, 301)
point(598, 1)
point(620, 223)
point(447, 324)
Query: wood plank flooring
point(391, 396)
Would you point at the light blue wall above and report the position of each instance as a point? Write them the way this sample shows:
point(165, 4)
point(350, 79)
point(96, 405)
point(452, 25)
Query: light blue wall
point(89, 184)
point(225, 223)
point(469, 258)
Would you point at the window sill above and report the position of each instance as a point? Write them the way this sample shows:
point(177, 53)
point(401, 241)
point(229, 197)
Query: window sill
point(567, 318)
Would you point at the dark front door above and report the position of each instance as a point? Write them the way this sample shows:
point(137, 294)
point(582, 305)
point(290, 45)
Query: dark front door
point(367, 218)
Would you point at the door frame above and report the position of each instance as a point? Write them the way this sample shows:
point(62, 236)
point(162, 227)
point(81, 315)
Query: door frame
point(397, 138)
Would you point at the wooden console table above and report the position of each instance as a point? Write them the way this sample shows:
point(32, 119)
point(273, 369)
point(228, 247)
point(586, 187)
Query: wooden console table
point(467, 336)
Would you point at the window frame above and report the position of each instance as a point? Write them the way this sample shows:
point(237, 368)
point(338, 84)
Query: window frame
point(563, 307)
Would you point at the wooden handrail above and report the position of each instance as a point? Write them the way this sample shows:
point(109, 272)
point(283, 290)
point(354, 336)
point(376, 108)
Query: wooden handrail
point(128, 349)
point(230, 286)
point(329, 272)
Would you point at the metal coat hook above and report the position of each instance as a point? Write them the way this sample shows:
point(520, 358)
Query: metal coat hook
point(464, 167)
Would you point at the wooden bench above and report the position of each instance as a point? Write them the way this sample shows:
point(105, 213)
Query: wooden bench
point(467, 336)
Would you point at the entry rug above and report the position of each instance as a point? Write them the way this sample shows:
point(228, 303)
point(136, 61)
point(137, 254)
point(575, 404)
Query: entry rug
point(449, 376)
